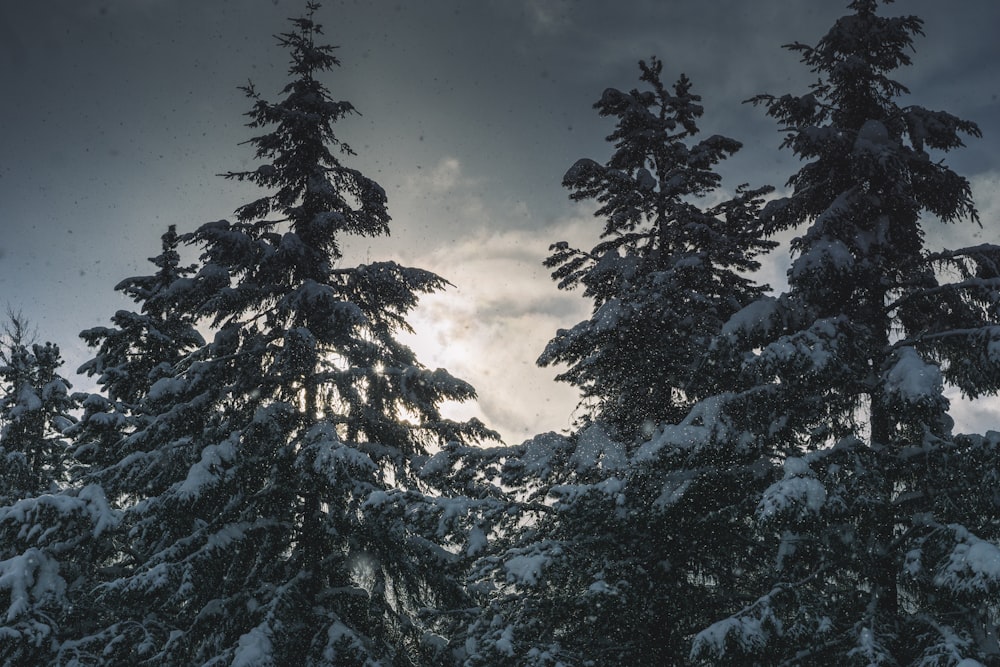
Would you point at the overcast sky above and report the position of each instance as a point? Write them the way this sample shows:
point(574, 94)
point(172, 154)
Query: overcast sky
point(116, 117)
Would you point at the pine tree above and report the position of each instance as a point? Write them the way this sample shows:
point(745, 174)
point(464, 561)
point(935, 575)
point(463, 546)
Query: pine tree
point(35, 410)
point(668, 272)
point(115, 450)
point(141, 351)
point(282, 521)
point(604, 565)
point(48, 528)
point(885, 547)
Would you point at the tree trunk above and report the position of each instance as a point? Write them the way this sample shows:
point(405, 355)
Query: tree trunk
point(885, 570)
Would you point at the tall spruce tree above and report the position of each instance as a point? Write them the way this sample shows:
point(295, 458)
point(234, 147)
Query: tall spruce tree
point(668, 271)
point(282, 517)
point(883, 525)
point(605, 564)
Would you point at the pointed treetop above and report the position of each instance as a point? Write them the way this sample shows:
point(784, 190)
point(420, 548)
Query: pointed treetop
point(300, 158)
point(860, 49)
point(307, 56)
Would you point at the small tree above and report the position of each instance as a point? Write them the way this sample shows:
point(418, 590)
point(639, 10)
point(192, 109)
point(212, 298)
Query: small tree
point(35, 410)
point(142, 349)
point(668, 272)
point(47, 526)
point(884, 548)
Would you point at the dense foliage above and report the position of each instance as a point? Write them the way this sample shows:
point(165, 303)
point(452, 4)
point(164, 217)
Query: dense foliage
point(264, 475)
point(884, 548)
point(602, 546)
point(668, 272)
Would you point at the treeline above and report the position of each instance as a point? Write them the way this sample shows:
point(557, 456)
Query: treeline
point(265, 476)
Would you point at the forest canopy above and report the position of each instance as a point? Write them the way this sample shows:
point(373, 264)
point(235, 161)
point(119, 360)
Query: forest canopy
point(265, 476)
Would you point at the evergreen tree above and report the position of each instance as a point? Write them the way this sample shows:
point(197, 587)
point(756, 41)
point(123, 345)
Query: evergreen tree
point(35, 410)
point(142, 349)
point(883, 524)
point(282, 517)
point(52, 547)
point(668, 272)
point(624, 547)
point(116, 452)
point(47, 527)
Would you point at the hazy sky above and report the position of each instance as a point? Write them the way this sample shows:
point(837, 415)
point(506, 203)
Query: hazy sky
point(116, 117)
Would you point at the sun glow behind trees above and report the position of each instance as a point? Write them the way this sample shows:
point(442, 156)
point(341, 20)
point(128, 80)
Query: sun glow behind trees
point(491, 324)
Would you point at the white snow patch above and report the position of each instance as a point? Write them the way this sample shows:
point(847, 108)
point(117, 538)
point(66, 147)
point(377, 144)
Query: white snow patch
point(165, 388)
point(824, 257)
point(536, 457)
point(873, 137)
point(90, 500)
point(747, 630)
point(993, 347)
point(817, 344)
point(984, 558)
point(752, 316)
point(612, 487)
point(229, 533)
point(601, 587)
point(693, 432)
point(796, 467)
point(97, 506)
point(798, 490)
point(912, 379)
point(595, 448)
point(436, 464)
point(505, 643)
point(254, 649)
point(973, 565)
point(336, 634)
point(526, 569)
point(645, 180)
point(608, 315)
point(206, 471)
point(27, 401)
point(29, 576)
point(331, 456)
point(673, 489)
point(476, 542)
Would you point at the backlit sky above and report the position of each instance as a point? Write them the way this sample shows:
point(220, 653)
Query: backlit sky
point(116, 116)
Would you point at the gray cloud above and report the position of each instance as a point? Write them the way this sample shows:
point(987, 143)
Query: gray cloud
point(120, 113)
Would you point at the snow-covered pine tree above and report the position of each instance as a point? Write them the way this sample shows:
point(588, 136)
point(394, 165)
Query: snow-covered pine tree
point(282, 527)
point(885, 527)
point(669, 270)
point(117, 452)
point(605, 565)
point(35, 410)
point(46, 526)
point(142, 349)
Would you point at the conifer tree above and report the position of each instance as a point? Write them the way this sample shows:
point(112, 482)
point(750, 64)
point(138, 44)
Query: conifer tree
point(885, 550)
point(115, 455)
point(282, 517)
point(35, 410)
point(47, 526)
point(668, 271)
point(605, 565)
point(142, 349)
